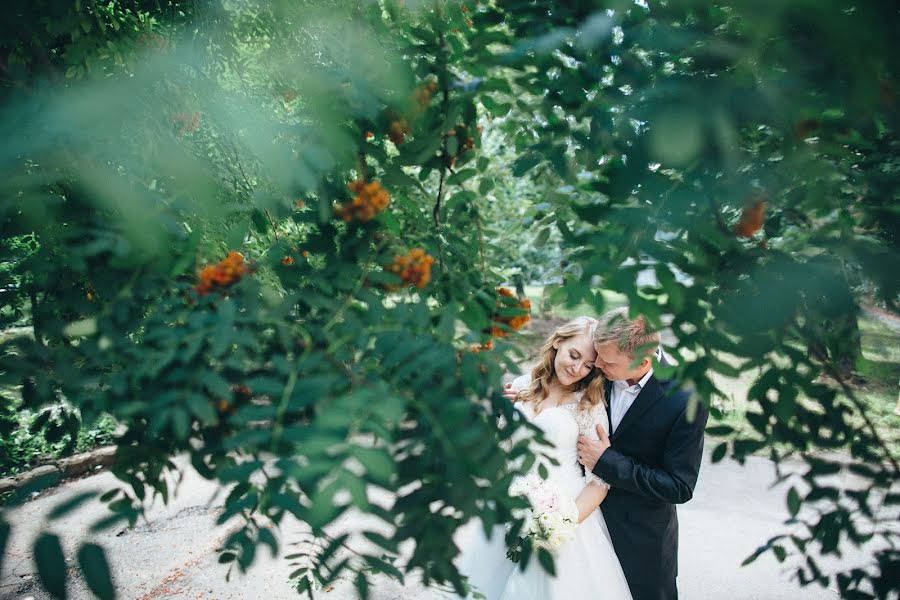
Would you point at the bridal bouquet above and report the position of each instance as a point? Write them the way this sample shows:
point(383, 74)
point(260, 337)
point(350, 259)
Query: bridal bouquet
point(551, 520)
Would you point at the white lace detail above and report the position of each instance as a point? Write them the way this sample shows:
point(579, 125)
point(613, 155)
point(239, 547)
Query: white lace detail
point(587, 426)
point(587, 420)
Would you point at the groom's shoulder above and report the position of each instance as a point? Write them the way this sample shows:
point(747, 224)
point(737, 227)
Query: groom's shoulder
point(673, 391)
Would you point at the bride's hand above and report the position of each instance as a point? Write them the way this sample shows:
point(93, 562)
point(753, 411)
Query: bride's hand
point(509, 393)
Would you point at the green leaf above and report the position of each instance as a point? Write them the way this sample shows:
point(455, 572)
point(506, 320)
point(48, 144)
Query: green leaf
point(485, 186)
point(460, 198)
point(793, 501)
point(720, 430)
point(461, 176)
point(546, 561)
point(110, 494)
point(378, 565)
point(69, 505)
point(378, 464)
point(268, 538)
point(216, 385)
point(780, 553)
point(260, 221)
point(719, 452)
point(525, 163)
point(201, 408)
point(51, 564)
point(380, 540)
point(525, 550)
point(92, 560)
point(395, 177)
point(362, 585)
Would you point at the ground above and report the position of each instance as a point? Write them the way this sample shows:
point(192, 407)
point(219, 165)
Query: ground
point(174, 554)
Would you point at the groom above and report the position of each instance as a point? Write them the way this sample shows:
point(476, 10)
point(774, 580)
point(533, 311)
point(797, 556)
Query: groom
point(651, 459)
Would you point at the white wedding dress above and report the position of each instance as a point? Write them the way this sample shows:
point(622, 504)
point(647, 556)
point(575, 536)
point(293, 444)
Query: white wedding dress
point(586, 567)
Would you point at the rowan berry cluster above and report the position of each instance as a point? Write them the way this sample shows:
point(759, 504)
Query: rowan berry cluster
point(187, 122)
point(370, 200)
point(465, 142)
point(398, 130)
point(414, 267)
point(503, 323)
point(421, 96)
point(288, 259)
point(752, 218)
point(240, 395)
point(485, 347)
point(152, 41)
point(222, 274)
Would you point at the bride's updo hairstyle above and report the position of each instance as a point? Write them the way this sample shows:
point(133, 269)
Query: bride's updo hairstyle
point(543, 374)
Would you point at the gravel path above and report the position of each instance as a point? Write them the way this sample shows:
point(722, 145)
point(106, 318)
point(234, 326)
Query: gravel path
point(174, 554)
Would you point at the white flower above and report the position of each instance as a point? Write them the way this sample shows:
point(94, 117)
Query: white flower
point(552, 520)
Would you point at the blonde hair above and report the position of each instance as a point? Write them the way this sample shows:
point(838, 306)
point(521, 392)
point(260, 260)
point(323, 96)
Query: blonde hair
point(631, 335)
point(543, 374)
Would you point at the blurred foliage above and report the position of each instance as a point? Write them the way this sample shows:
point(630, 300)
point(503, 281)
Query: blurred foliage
point(744, 154)
point(27, 439)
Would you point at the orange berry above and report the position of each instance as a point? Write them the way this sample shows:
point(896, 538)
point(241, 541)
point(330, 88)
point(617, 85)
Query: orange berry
point(398, 131)
point(370, 199)
point(287, 261)
point(752, 218)
point(487, 346)
point(516, 322)
point(414, 267)
point(222, 274)
point(186, 122)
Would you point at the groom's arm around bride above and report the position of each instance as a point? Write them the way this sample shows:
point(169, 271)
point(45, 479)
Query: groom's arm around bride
point(651, 457)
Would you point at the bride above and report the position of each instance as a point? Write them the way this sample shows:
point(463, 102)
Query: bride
point(564, 398)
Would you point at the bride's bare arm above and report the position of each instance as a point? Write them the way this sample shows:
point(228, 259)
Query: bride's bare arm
point(589, 499)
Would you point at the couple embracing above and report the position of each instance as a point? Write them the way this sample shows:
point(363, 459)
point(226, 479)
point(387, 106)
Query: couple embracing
point(624, 443)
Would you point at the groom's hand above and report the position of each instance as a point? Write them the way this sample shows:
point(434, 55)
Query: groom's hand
point(589, 451)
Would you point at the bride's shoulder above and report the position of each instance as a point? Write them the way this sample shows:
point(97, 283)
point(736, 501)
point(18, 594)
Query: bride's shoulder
point(590, 416)
point(521, 382)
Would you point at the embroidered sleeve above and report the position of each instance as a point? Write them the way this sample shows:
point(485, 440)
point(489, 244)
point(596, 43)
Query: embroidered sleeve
point(518, 384)
point(587, 426)
point(521, 382)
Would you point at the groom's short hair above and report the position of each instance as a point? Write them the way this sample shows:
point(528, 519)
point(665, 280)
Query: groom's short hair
point(631, 335)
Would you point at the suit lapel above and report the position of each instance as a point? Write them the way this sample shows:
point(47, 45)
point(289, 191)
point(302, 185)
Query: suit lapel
point(650, 393)
point(607, 393)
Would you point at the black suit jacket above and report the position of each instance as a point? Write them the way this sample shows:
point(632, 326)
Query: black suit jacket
point(652, 465)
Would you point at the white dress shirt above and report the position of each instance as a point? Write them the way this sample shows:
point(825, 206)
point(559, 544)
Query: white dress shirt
point(622, 396)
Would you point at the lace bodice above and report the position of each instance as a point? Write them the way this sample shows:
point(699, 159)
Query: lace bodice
point(563, 424)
